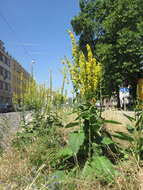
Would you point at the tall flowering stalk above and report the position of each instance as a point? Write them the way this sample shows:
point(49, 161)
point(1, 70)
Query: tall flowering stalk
point(85, 72)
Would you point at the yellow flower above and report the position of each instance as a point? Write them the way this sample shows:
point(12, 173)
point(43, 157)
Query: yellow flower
point(84, 72)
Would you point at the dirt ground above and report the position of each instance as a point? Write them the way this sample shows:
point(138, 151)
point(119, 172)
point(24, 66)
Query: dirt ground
point(117, 116)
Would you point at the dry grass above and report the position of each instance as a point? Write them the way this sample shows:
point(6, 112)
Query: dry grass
point(13, 167)
point(117, 116)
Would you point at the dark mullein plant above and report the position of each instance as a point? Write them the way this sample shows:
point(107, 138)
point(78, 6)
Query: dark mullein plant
point(91, 143)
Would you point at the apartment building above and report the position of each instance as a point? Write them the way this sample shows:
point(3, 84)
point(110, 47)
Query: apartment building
point(13, 77)
point(19, 79)
point(5, 76)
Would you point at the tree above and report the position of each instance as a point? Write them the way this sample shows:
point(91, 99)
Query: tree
point(114, 30)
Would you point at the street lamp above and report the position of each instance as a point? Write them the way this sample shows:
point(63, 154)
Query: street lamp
point(32, 63)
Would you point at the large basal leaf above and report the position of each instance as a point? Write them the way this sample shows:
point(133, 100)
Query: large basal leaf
point(101, 167)
point(75, 141)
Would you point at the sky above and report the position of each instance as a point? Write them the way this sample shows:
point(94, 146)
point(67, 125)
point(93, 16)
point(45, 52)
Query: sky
point(37, 30)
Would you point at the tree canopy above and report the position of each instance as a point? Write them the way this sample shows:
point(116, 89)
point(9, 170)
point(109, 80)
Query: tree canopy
point(114, 31)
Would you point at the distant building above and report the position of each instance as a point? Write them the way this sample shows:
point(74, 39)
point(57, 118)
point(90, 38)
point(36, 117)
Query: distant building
point(20, 79)
point(5, 76)
point(13, 77)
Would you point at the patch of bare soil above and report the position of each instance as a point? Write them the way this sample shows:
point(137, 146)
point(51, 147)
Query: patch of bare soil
point(119, 117)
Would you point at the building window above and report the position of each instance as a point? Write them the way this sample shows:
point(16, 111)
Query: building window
point(1, 59)
point(9, 75)
point(1, 71)
point(9, 87)
point(1, 84)
point(5, 74)
point(8, 62)
point(6, 86)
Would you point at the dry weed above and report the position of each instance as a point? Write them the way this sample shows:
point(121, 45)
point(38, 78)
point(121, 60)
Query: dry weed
point(12, 167)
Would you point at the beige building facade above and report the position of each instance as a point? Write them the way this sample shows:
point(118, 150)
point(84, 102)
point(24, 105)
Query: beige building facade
point(19, 79)
point(5, 76)
point(13, 77)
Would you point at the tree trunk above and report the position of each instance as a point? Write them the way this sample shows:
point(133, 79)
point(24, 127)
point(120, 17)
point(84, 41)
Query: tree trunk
point(118, 98)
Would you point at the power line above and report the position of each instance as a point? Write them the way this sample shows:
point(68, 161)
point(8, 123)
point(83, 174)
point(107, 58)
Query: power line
point(13, 31)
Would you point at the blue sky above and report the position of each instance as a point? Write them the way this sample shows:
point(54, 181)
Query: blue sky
point(37, 29)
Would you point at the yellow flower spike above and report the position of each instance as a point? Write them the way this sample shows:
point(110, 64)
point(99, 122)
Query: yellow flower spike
point(84, 72)
point(89, 53)
point(74, 47)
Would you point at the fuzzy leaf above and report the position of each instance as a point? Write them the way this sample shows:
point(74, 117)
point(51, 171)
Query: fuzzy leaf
point(75, 141)
point(100, 166)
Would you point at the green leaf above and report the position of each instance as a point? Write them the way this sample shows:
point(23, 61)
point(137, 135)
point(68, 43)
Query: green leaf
point(113, 122)
point(97, 150)
point(129, 117)
point(100, 166)
point(84, 115)
point(72, 124)
point(130, 128)
point(123, 136)
point(65, 152)
point(26, 135)
point(87, 170)
point(75, 141)
point(107, 141)
point(141, 140)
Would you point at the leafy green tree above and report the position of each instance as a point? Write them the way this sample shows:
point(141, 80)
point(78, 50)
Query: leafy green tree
point(114, 30)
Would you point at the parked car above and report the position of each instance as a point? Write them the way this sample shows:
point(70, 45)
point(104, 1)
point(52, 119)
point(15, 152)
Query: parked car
point(10, 108)
point(6, 108)
point(3, 108)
